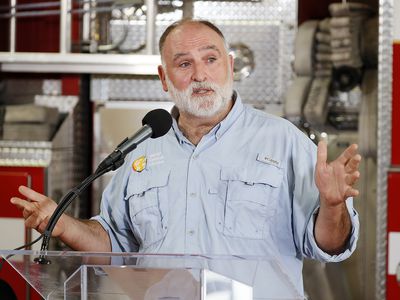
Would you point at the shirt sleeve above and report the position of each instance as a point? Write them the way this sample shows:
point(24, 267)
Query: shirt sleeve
point(305, 203)
point(311, 248)
point(114, 215)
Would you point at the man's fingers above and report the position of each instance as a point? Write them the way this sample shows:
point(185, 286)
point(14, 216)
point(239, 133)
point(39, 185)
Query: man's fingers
point(33, 221)
point(31, 194)
point(25, 206)
point(353, 163)
point(322, 153)
point(351, 192)
point(348, 153)
point(20, 203)
point(352, 178)
point(33, 217)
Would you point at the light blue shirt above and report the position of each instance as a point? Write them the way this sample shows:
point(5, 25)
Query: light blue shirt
point(247, 188)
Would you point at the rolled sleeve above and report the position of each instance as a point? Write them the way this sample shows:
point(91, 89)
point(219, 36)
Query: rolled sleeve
point(121, 240)
point(311, 249)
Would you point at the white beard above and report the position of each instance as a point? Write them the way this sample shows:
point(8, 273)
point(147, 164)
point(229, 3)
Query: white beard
point(201, 106)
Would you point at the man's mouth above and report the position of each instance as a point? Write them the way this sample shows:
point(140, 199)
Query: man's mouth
point(202, 91)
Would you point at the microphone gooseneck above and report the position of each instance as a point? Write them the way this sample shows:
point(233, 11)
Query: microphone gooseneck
point(156, 123)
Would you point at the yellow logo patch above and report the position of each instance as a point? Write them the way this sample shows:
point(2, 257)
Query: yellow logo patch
point(139, 164)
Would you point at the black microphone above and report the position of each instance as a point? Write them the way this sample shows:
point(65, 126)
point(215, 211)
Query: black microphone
point(155, 123)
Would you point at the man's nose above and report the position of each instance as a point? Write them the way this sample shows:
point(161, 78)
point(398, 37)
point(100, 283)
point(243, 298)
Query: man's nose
point(199, 73)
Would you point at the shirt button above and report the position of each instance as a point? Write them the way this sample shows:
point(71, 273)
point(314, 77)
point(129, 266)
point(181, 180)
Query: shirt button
point(191, 232)
point(195, 156)
point(193, 195)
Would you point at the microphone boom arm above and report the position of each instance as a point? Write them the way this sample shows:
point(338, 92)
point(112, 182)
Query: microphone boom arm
point(65, 202)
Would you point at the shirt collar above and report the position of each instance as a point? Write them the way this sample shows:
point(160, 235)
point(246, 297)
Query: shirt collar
point(218, 129)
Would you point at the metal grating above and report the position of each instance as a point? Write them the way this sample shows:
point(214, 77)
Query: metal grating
point(266, 27)
point(272, 10)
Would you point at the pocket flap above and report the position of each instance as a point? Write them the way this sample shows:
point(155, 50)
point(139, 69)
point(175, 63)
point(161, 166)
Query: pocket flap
point(261, 174)
point(143, 182)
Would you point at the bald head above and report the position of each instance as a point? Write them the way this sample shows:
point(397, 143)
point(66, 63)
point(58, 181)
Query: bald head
point(183, 22)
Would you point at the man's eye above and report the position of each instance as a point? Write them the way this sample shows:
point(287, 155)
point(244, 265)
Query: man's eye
point(211, 59)
point(184, 64)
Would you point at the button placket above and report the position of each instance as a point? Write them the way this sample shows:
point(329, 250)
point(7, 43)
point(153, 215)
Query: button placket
point(192, 204)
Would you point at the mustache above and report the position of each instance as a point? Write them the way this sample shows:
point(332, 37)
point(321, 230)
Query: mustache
point(204, 85)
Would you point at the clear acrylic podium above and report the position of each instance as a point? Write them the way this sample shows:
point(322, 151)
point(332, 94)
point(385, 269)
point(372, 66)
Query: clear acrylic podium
point(88, 275)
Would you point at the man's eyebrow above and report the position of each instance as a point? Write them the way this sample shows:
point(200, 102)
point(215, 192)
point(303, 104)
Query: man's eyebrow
point(179, 55)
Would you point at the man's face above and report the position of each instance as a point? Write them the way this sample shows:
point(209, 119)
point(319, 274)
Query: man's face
point(197, 70)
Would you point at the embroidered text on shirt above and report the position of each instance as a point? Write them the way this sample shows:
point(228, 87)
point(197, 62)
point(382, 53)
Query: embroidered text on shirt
point(266, 159)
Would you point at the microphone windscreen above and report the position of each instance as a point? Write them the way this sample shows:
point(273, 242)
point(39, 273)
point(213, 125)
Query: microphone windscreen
point(159, 120)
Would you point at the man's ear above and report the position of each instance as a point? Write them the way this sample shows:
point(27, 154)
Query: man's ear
point(161, 75)
point(231, 63)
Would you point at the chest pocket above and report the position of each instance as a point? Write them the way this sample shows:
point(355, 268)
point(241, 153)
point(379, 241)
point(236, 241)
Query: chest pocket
point(147, 198)
point(250, 200)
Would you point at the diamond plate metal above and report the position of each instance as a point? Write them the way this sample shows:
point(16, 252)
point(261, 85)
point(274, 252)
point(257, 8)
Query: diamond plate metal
point(52, 87)
point(266, 27)
point(386, 17)
point(24, 153)
point(271, 10)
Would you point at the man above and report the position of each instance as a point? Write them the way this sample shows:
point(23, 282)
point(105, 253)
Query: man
point(228, 179)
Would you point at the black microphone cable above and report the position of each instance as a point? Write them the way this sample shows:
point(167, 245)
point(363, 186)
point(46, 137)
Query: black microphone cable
point(3, 259)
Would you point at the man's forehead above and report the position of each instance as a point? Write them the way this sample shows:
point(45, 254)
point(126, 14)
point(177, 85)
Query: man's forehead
point(193, 35)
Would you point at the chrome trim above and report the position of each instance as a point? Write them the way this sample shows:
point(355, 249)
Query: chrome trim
point(151, 14)
point(65, 26)
point(79, 63)
point(384, 130)
point(13, 26)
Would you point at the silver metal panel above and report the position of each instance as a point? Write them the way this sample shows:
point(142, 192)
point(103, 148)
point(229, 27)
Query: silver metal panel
point(266, 27)
point(272, 72)
point(271, 10)
point(121, 88)
point(22, 153)
point(386, 17)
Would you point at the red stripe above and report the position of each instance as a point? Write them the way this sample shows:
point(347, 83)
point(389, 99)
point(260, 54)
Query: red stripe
point(396, 105)
point(393, 208)
point(392, 288)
